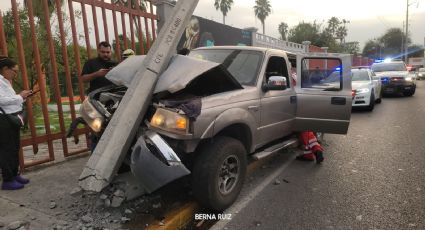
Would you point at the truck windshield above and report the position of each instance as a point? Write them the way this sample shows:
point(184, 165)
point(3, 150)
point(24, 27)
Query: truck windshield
point(382, 67)
point(242, 64)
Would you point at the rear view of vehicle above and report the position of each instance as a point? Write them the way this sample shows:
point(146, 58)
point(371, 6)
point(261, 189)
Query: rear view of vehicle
point(395, 78)
point(367, 91)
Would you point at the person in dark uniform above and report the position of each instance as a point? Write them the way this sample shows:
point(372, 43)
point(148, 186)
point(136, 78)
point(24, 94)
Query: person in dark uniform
point(10, 124)
point(95, 69)
point(94, 72)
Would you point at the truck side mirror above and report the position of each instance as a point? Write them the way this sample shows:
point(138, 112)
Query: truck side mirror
point(275, 83)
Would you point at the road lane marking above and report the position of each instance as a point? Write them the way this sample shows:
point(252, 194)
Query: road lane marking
point(238, 206)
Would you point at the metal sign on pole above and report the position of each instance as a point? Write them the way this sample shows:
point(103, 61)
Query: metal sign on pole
point(116, 140)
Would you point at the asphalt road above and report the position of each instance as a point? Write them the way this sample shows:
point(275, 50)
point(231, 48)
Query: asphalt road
point(372, 178)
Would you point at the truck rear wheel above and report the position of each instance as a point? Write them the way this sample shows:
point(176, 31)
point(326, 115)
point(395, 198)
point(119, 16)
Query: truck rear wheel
point(219, 173)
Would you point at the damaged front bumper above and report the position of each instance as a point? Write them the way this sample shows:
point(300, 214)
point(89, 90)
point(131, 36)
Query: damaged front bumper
point(154, 163)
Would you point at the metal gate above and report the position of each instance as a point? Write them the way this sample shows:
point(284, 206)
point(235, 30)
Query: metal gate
point(51, 39)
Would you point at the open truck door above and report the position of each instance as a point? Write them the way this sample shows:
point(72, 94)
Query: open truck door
point(323, 93)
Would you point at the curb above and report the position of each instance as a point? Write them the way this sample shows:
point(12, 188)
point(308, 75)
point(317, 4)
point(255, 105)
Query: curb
point(177, 218)
point(181, 216)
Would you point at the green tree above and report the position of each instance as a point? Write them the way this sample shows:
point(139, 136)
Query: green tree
point(305, 31)
point(371, 49)
point(262, 10)
point(387, 45)
point(283, 30)
point(142, 6)
point(224, 6)
point(351, 48)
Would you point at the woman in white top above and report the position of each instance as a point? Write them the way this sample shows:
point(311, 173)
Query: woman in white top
point(11, 105)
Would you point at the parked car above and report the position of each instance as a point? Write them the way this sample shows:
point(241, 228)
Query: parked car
point(236, 102)
point(421, 73)
point(368, 88)
point(395, 78)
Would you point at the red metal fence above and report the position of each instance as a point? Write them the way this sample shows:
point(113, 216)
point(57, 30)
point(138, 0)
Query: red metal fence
point(51, 39)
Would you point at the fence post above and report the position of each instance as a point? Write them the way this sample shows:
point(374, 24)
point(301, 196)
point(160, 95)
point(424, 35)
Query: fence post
point(306, 46)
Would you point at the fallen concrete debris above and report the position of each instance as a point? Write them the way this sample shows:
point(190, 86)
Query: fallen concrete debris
point(15, 225)
point(52, 205)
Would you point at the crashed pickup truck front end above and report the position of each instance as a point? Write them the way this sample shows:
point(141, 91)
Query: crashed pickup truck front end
point(168, 125)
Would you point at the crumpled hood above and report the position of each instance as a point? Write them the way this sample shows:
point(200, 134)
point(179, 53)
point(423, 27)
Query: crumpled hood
point(180, 73)
point(360, 84)
point(392, 74)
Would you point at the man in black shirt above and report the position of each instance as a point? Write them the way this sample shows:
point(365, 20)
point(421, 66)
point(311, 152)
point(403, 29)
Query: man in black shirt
point(95, 69)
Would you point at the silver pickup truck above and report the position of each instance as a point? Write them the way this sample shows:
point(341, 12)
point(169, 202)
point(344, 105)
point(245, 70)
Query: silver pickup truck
point(218, 106)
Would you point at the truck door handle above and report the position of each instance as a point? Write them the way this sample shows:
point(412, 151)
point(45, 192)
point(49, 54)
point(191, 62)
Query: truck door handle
point(253, 108)
point(338, 101)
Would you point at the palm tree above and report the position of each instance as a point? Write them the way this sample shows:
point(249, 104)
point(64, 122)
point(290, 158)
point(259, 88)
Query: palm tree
point(283, 30)
point(262, 9)
point(224, 6)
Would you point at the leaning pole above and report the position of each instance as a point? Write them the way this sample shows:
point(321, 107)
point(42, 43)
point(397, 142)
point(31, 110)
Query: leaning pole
point(116, 140)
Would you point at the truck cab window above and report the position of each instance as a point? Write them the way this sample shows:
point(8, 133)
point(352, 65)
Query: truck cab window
point(321, 73)
point(276, 66)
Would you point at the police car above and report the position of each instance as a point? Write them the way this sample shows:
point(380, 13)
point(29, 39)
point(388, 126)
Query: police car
point(367, 88)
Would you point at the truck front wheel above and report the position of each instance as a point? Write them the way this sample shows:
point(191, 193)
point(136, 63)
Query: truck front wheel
point(219, 173)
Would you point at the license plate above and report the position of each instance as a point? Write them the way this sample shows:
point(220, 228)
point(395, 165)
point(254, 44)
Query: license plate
point(408, 87)
point(389, 90)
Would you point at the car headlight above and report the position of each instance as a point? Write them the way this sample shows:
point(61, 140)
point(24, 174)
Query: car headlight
point(91, 116)
point(420, 75)
point(364, 90)
point(409, 78)
point(170, 121)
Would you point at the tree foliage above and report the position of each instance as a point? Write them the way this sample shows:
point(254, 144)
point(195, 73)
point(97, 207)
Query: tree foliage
point(283, 30)
point(388, 45)
point(332, 35)
point(224, 6)
point(262, 10)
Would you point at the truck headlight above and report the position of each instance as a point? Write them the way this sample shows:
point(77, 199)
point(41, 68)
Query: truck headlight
point(91, 116)
point(363, 90)
point(170, 121)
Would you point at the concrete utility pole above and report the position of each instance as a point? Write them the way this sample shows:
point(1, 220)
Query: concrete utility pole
point(407, 32)
point(116, 140)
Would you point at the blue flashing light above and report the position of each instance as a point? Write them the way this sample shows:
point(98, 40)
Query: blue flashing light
point(385, 80)
point(378, 61)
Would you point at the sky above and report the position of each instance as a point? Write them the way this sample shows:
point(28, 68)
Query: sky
point(368, 18)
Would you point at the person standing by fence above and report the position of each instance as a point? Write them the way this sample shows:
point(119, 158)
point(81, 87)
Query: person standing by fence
point(94, 71)
point(10, 125)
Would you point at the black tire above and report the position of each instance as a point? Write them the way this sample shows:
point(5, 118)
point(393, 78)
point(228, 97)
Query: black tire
point(409, 93)
point(214, 163)
point(371, 105)
point(379, 100)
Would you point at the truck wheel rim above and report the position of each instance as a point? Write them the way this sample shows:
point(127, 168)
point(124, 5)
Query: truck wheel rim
point(228, 175)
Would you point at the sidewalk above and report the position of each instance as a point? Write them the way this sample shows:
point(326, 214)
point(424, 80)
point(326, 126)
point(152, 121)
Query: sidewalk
point(47, 203)
point(52, 201)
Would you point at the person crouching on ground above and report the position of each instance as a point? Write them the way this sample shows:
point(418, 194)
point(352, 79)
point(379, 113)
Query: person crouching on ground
point(312, 148)
point(11, 105)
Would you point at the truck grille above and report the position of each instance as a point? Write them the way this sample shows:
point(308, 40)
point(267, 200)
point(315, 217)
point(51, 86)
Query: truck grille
point(397, 79)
